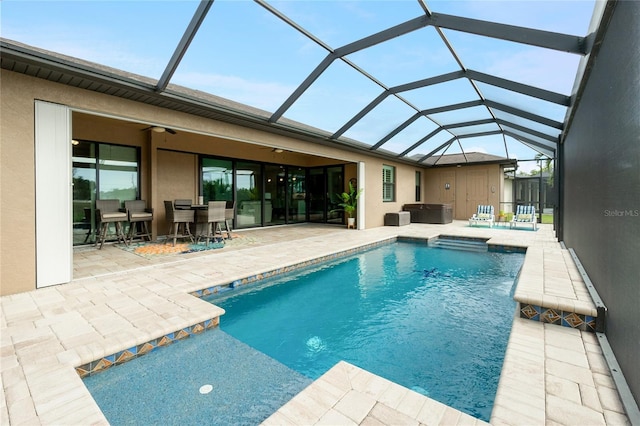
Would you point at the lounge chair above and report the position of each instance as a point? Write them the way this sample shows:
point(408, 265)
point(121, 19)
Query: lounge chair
point(525, 215)
point(483, 215)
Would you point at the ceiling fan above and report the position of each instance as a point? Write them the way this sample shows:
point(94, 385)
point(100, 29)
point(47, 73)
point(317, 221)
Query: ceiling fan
point(273, 149)
point(160, 129)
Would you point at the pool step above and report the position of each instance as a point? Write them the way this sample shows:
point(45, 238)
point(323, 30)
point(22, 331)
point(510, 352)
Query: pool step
point(459, 244)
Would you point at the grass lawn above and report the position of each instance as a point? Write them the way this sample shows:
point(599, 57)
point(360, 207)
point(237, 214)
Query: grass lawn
point(547, 218)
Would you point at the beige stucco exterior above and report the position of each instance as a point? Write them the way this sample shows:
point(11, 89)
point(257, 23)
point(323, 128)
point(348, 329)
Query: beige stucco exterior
point(104, 118)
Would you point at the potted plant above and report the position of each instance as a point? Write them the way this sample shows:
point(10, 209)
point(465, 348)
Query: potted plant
point(349, 203)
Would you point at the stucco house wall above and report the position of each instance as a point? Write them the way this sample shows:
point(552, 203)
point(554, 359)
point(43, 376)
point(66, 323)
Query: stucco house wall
point(106, 118)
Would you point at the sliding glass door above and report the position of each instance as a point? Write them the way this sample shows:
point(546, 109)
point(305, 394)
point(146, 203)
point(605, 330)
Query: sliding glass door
point(324, 184)
point(275, 194)
point(335, 185)
point(102, 171)
point(217, 179)
point(297, 192)
point(249, 195)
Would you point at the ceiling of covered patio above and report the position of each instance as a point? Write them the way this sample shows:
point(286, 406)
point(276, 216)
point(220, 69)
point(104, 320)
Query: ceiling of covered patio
point(410, 80)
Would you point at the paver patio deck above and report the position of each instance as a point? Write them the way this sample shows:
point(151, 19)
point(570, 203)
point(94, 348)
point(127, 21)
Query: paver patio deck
point(551, 374)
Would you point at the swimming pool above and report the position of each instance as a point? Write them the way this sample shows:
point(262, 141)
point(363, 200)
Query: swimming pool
point(213, 376)
point(436, 321)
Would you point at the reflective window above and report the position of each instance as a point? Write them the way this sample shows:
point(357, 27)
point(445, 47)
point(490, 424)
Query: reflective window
point(217, 179)
point(117, 172)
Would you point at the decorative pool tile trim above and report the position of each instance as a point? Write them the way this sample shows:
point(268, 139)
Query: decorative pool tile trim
point(502, 248)
point(496, 248)
point(415, 239)
point(463, 238)
point(558, 317)
point(252, 279)
point(133, 352)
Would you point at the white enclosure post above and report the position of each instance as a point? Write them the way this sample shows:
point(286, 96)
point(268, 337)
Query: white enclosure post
point(361, 201)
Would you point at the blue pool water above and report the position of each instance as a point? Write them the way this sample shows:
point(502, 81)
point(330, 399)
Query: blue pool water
point(164, 386)
point(435, 321)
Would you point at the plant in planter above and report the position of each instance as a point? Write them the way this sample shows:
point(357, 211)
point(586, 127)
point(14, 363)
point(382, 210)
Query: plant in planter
point(349, 202)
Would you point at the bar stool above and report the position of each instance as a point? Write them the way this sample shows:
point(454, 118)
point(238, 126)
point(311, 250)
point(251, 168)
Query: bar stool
point(213, 216)
point(229, 211)
point(138, 214)
point(109, 211)
point(177, 218)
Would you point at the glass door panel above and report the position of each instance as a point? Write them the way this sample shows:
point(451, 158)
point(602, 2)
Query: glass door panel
point(297, 195)
point(217, 180)
point(84, 176)
point(275, 194)
point(317, 191)
point(335, 185)
point(117, 172)
point(249, 195)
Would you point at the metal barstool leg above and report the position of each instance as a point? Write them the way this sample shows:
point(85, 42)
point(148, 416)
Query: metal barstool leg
point(218, 231)
point(103, 234)
point(226, 224)
point(146, 231)
point(208, 236)
point(132, 227)
point(175, 235)
point(188, 230)
point(120, 233)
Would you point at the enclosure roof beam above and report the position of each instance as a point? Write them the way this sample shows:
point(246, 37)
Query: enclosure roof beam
point(184, 43)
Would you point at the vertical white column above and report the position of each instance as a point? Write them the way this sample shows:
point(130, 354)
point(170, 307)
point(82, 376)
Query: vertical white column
point(54, 239)
point(361, 201)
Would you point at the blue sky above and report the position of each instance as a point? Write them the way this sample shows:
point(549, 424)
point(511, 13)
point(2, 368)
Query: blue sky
point(245, 53)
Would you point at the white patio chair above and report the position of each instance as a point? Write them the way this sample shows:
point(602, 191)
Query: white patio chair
point(525, 215)
point(484, 214)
